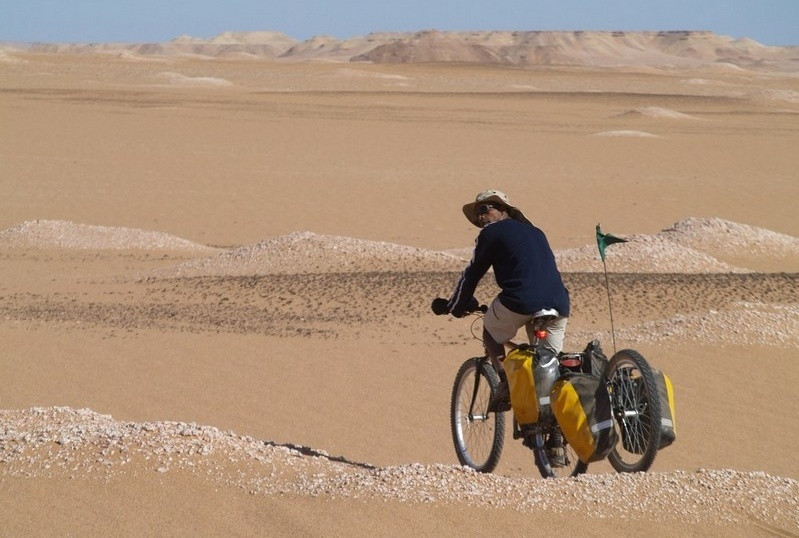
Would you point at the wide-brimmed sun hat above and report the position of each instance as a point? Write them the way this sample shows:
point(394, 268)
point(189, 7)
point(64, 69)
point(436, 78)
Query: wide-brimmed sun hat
point(492, 196)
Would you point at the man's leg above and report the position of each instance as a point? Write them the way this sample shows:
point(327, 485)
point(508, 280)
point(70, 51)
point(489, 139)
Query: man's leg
point(501, 323)
point(500, 399)
point(499, 326)
point(496, 351)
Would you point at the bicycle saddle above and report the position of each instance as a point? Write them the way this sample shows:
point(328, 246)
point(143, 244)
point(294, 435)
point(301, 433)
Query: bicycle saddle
point(546, 314)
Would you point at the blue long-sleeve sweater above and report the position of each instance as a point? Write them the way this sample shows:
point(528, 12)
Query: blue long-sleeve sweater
point(524, 267)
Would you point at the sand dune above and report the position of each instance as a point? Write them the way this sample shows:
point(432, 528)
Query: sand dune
point(296, 382)
point(177, 78)
point(8, 57)
point(348, 72)
point(656, 112)
point(627, 133)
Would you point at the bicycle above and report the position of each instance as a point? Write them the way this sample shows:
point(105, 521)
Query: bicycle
point(479, 434)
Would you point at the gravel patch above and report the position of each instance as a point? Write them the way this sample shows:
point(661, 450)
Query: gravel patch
point(724, 237)
point(644, 254)
point(307, 252)
point(69, 235)
point(66, 442)
point(691, 245)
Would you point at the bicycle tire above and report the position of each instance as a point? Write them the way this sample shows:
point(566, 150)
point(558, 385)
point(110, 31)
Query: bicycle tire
point(478, 435)
point(636, 412)
point(573, 467)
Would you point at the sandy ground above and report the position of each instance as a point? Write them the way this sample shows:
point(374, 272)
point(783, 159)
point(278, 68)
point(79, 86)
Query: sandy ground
point(215, 278)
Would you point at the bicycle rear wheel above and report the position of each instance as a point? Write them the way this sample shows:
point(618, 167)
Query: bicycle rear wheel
point(477, 434)
point(636, 410)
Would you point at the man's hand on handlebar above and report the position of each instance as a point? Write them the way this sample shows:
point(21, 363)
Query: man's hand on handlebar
point(440, 307)
point(473, 306)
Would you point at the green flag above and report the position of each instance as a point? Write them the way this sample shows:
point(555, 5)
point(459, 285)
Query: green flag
point(605, 240)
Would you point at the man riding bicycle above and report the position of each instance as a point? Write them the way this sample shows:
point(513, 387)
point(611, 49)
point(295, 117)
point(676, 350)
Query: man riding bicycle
point(526, 272)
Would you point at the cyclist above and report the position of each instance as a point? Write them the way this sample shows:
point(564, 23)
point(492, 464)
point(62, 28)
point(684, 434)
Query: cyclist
point(526, 272)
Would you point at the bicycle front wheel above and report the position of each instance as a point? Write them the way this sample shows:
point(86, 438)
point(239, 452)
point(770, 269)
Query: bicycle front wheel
point(636, 410)
point(478, 435)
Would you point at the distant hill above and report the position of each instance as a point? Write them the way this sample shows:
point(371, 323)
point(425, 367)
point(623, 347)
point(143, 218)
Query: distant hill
point(527, 48)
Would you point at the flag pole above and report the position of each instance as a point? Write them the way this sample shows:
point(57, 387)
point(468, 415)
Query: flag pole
point(610, 306)
point(603, 241)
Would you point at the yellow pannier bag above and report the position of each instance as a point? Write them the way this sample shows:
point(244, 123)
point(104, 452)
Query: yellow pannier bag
point(668, 422)
point(668, 426)
point(531, 373)
point(581, 405)
point(523, 400)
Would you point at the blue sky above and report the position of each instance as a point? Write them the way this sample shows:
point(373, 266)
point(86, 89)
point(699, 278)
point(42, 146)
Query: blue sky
point(771, 22)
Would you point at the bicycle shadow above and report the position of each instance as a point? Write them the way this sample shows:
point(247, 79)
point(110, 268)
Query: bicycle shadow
point(308, 451)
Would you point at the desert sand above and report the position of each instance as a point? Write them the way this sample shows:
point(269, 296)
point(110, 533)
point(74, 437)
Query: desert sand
point(215, 278)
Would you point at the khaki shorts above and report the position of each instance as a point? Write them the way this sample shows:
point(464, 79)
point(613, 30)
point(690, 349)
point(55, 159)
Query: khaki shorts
point(503, 324)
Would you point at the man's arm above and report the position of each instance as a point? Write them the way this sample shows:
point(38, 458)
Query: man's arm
point(463, 296)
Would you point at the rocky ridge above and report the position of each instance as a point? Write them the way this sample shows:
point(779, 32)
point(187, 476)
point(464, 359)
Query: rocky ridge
point(518, 48)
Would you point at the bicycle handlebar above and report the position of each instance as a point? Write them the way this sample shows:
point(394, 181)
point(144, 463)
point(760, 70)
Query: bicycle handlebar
point(439, 306)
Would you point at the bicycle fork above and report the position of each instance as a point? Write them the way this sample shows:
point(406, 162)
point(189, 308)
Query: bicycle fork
point(479, 363)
